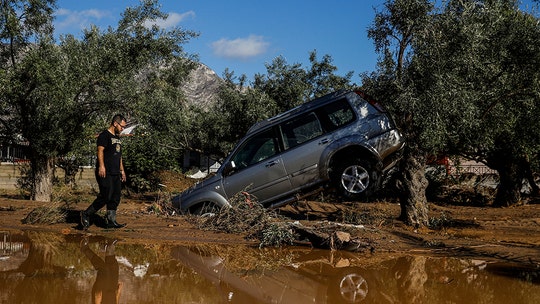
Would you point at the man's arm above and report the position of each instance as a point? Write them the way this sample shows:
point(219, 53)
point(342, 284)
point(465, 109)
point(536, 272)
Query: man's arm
point(122, 170)
point(101, 161)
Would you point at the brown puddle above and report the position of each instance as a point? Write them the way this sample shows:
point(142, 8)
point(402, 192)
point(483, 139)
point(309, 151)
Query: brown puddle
point(37, 267)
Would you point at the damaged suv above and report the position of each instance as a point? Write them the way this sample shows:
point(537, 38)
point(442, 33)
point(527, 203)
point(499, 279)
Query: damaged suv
point(344, 139)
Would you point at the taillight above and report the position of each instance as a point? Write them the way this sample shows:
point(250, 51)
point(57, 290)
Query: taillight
point(371, 101)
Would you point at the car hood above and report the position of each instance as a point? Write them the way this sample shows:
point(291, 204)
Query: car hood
point(177, 200)
point(201, 184)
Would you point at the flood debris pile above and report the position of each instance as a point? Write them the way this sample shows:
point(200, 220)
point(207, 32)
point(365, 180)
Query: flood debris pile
point(247, 216)
point(162, 205)
point(332, 235)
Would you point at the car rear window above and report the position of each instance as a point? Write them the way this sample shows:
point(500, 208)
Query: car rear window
point(336, 114)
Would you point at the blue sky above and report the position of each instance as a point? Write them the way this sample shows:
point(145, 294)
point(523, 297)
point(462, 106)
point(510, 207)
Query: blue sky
point(244, 35)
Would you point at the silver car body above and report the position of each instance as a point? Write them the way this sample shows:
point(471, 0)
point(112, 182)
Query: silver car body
point(298, 150)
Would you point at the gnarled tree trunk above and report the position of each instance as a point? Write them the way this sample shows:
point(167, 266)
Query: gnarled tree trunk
point(413, 200)
point(509, 191)
point(511, 169)
point(42, 177)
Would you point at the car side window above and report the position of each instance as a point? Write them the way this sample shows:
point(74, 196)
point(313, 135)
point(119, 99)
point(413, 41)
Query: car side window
point(336, 115)
point(300, 129)
point(256, 149)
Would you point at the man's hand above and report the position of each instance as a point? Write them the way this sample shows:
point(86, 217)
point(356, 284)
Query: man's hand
point(102, 172)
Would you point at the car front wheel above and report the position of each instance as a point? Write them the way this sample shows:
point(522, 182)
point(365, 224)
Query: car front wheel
point(205, 209)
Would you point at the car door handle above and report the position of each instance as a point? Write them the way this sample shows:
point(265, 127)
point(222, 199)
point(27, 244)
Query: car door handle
point(324, 141)
point(272, 163)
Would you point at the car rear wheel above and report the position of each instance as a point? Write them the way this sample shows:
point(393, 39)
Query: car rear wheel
point(355, 179)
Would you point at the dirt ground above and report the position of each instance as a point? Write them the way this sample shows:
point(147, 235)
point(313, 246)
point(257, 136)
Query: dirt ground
point(466, 230)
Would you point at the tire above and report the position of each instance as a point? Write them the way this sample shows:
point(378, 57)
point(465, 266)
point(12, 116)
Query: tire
point(356, 179)
point(205, 209)
point(348, 288)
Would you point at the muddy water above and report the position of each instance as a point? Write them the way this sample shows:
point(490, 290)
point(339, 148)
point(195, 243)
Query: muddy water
point(53, 268)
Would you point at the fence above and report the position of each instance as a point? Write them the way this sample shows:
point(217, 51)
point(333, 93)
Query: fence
point(9, 246)
point(9, 172)
point(475, 169)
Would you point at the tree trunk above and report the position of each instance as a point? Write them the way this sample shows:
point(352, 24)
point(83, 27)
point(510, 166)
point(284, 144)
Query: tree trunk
point(71, 168)
point(411, 277)
point(40, 255)
point(529, 175)
point(42, 173)
point(510, 182)
point(413, 201)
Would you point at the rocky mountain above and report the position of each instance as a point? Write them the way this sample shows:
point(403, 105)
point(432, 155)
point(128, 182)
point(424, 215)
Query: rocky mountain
point(202, 86)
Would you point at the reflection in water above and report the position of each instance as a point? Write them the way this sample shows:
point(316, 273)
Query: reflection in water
point(106, 289)
point(306, 278)
point(34, 271)
point(51, 268)
point(411, 277)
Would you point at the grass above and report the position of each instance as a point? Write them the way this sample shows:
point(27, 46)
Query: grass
point(162, 204)
point(438, 223)
point(53, 214)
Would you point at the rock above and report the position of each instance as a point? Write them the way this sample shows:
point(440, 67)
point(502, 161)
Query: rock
point(342, 237)
point(202, 87)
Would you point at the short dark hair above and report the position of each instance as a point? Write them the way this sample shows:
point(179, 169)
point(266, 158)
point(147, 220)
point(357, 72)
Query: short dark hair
point(118, 118)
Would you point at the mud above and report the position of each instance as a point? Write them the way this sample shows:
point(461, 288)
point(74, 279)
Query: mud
point(508, 234)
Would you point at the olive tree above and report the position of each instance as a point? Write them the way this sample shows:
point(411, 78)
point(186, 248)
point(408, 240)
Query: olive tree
point(290, 85)
point(52, 91)
point(25, 36)
point(479, 61)
point(468, 86)
point(393, 32)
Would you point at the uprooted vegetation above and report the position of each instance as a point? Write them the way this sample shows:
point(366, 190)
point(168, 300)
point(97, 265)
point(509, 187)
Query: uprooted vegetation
point(51, 214)
point(247, 216)
point(270, 228)
point(327, 222)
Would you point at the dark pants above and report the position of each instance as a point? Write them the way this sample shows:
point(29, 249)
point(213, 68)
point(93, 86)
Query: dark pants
point(110, 190)
point(106, 286)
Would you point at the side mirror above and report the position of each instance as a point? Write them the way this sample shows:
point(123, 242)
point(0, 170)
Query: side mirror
point(229, 168)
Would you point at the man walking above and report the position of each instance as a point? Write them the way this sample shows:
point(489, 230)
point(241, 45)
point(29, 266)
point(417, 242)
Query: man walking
point(109, 174)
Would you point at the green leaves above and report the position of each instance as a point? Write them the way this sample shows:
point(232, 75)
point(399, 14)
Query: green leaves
point(486, 61)
point(469, 86)
point(55, 91)
point(471, 75)
point(216, 130)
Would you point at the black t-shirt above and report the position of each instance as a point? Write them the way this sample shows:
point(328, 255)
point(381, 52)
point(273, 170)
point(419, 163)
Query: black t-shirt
point(112, 152)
